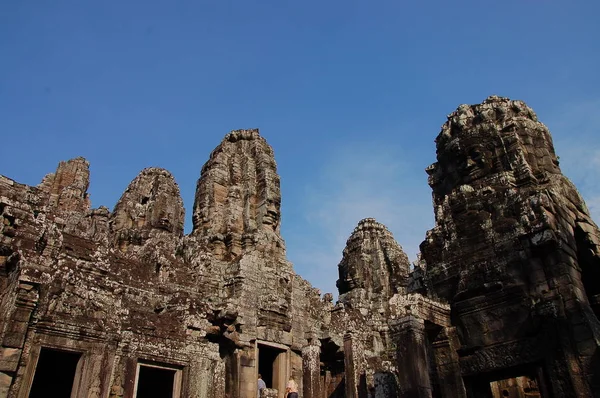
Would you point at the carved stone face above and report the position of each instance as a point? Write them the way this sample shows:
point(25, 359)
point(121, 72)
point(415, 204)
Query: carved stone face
point(272, 214)
point(492, 158)
point(478, 161)
point(151, 202)
point(374, 261)
point(498, 144)
point(468, 162)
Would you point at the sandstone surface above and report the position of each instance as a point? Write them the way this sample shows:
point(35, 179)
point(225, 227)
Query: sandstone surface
point(503, 301)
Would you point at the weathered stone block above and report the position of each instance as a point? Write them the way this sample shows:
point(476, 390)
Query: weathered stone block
point(9, 359)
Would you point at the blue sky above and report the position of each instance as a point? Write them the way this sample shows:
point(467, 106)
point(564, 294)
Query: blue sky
point(350, 94)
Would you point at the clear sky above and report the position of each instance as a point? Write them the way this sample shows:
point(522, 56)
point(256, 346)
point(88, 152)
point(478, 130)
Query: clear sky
point(350, 94)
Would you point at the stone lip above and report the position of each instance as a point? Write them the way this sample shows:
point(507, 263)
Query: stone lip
point(242, 134)
point(149, 171)
point(370, 224)
point(494, 109)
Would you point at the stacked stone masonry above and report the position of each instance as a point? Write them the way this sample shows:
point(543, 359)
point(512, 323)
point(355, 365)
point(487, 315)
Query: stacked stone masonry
point(503, 302)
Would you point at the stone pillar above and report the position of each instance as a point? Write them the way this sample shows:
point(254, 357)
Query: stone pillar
point(280, 373)
point(296, 371)
point(325, 381)
point(206, 378)
point(409, 337)
point(95, 378)
point(447, 363)
point(248, 373)
point(16, 372)
point(355, 381)
point(217, 387)
point(351, 380)
point(311, 369)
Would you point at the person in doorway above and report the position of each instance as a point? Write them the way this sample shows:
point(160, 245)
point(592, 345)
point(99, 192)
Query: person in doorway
point(261, 385)
point(291, 389)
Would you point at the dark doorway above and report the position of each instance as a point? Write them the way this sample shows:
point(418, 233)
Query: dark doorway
point(434, 334)
point(54, 374)
point(266, 358)
point(272, 365)
point(332, 369)
point(525, 381)
point(155, 382)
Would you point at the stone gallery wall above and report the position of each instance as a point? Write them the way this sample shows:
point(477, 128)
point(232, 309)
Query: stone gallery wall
point(503, 302)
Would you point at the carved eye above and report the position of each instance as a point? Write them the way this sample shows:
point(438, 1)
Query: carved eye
point(475, 155)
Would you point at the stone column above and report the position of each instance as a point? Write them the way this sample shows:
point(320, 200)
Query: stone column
point(311, 369)
point(325, 381)
point(409, 337)
point(96, 373)
point(355, 382)
point(447, 363)
point(205, 378)
point(15, 352)
point(248, 373)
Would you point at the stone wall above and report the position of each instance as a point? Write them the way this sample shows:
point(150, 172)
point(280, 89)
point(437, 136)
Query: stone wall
point(503, 300)
point(126, 288)
point(514, 251)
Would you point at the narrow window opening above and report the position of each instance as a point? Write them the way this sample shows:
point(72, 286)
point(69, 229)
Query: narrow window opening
point(54, 374)
point(155, 381)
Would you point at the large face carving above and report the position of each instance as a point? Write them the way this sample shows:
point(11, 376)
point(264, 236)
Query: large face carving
point(466, 161)
point(272, 214)
point(151, 202)
point(493, 161)
point(499, 143)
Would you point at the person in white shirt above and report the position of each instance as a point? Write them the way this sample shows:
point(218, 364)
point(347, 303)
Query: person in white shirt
point(291, 389)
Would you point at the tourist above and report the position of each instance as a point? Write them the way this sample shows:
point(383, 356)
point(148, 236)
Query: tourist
point(291, 388)
point(261, 385)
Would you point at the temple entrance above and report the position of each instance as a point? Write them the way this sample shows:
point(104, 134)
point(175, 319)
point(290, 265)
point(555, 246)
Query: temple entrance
point(435, 334)
point(55, 374)
point(516, 387)
point(332, 370)
point(521, 383)
point(272, 366)
point(157, 381)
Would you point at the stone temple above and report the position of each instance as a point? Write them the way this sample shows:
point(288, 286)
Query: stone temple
point(503, 302)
